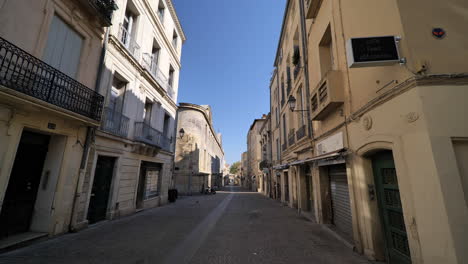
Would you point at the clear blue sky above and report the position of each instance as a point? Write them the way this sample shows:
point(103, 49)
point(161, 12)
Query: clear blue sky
point(227, 62)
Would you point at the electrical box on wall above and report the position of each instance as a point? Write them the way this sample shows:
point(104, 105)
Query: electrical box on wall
point(373, 51)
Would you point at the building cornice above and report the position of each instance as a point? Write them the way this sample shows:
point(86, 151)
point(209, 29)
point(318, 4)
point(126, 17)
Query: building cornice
point(160, 28)
point(207, 118)
point(283, 25)
point(171, 7)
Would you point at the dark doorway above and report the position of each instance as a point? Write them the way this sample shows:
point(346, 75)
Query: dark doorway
point(101, 189)
point(20, 197)
point(286, 186)
point(391, 211)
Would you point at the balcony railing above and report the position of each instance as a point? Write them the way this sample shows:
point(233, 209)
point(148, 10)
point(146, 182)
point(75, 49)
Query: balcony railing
point(105, 9)
point(22, 72)
point(297, 69)
point(301, 132)
point(284, 146)
point(129, 42)
point(264, 164)
point(291, 137)
point(151, 65)
point(115, 123)
point(146, 134)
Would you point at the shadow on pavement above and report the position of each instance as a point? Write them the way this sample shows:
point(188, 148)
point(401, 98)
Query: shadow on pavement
point(235, 189)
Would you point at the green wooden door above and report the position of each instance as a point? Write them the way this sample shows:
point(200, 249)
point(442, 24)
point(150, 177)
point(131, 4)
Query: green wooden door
point(391, 211)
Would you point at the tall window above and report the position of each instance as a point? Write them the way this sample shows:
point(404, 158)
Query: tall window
point(147, 112)
point(326, 52)
point(174, 39)
point(161, 10)
point(117, 95)
point(63, 49)
point(171, 76)
point(167, 120)
point(285, 136)
point(277, 116)
point(278, 149)
point(300, 105)
point(155, 53)
point(127, 27)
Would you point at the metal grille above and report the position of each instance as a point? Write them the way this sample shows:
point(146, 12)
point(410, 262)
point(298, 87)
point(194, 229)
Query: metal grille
point(389, 176)
point(105, 8)
point(395, 220)
point(400, 243)
point(115, 122)
point(146, 134)
point(301, 132)
point(291, 137)
point(323, 93)
point(314, 103)
point(129, 43)
point(27, 74)
point(392, 198)
point(150, 64)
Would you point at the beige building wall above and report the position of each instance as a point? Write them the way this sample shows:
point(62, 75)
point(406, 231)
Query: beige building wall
point(254, 154)
point(411, 109)
point(24, 111)
point(138, 127)
point(199, 153)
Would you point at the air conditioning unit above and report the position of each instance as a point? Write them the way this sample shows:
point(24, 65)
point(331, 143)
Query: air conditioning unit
point(327, 96)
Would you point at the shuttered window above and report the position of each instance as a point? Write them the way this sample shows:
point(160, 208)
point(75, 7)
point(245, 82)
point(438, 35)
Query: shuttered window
point(63, 49)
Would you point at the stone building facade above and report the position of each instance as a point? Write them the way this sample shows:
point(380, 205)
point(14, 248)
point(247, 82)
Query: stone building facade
point(244, 179)
point(50, 103)
point(199, 152)
point(386, 139)
point(266, 180)
point(131, 161)
point(254, 155)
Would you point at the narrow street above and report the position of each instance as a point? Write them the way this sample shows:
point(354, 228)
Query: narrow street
point(229, 227)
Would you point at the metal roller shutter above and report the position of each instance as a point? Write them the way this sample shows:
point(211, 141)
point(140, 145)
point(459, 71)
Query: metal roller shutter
point(341, 208)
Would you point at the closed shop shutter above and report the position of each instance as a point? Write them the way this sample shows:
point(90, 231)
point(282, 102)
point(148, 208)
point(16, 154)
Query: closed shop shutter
point(341, 208)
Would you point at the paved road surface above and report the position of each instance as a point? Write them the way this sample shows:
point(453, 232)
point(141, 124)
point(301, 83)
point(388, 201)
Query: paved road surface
point(229, 227)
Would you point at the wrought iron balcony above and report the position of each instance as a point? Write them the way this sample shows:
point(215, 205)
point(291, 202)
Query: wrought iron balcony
point(297, 69)
point(291, 137)
point(301, 132)
point(115, 123)
point(284, 146)
point(105, 8)
point(146, 134)
point(264, 164)
point(129, 42)
point(151, 65)
point(22, 72)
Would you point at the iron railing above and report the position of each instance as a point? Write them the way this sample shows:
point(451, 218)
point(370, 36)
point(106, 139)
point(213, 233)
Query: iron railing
point(291, 137)
point(115, 123)
point(105, 8)
point(129, 42)
point(151, 65)
point(301, 132)
point(146, 134)
point(297, 69)
point(22, 72)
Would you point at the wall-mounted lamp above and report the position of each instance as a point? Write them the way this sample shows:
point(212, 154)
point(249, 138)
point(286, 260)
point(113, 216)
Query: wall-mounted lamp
point(292, 104)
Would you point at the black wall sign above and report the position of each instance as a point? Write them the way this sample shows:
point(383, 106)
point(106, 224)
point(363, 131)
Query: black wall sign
point(375, 49)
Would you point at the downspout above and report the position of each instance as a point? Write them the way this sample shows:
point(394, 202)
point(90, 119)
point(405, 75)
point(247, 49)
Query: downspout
point(306, 65)
point(90, 133)
point(175, 146)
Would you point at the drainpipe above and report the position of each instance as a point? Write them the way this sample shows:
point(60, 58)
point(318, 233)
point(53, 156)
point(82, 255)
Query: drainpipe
point(306, 64)
point(174, 148)
point(90, 133)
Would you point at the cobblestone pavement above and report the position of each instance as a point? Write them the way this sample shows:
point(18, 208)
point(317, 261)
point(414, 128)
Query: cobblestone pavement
point(229, 227)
